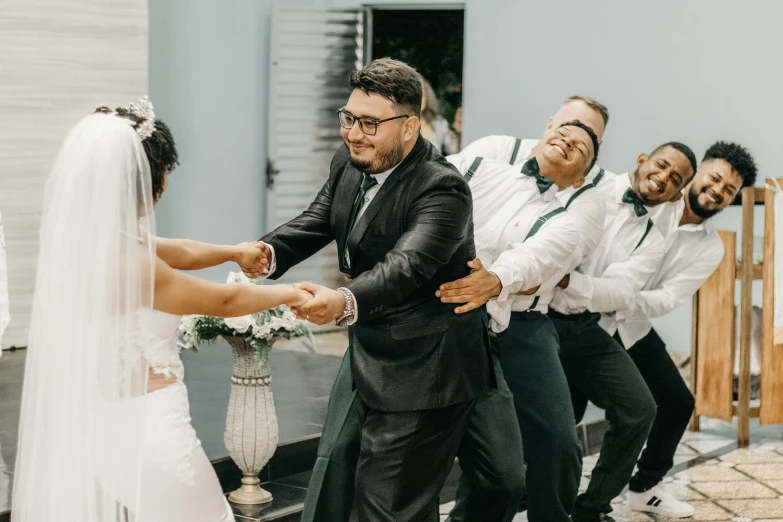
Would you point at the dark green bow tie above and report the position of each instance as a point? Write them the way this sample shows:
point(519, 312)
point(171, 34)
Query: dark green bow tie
point(530, 168)
point(631, 198)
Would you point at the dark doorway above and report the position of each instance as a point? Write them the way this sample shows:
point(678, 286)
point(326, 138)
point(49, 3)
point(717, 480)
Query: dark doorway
point(432, 41)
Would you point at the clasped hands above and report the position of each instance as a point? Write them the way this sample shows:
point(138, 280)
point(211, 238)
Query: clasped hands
point(317, 304)
point(253, 258)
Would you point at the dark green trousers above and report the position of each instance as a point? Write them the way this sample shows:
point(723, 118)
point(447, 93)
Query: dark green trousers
point(489, 456)
point(598, 368)
point(529, 357)
point(332, 484)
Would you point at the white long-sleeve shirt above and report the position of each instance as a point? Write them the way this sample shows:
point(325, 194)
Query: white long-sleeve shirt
point(626, 257)
point(693, 252)
point(506, 205)
point(584, 205)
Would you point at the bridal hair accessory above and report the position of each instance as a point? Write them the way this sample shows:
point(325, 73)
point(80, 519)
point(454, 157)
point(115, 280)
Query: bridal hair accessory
point(143, 110)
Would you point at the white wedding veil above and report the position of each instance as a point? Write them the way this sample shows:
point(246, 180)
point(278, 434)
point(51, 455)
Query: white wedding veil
point(81, 429)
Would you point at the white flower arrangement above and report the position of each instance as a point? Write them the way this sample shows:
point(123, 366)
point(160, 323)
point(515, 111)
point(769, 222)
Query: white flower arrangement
point(260, 329)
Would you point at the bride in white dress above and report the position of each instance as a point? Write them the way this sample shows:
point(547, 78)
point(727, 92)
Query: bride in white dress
point(105, 432)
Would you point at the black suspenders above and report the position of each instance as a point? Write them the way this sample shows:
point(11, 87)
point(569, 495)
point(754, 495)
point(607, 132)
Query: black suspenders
point(473, 168)
point(517, 143)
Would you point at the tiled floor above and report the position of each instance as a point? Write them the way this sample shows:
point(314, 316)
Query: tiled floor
point(721, 482)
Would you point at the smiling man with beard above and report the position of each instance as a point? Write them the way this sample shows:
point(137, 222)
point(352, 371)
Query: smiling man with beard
point(402, 219)
point(596, 366)
point(694, 250)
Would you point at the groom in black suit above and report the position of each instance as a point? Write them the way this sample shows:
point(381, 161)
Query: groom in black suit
point(402, 219)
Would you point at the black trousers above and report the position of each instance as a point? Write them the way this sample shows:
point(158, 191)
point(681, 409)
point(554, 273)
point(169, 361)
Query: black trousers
point(492, 480)
point(598, 368)
point(529, 356)
point(675, 406)
point(404, 460)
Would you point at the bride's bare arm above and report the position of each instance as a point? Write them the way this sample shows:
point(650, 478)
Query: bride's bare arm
point(186, 254)
point(182, 294)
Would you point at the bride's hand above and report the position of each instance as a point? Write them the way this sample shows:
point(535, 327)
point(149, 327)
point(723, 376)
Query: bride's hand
point(299, 298)
point(253, 258)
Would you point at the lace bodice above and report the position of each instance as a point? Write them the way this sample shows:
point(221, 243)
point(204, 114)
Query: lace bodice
point(161, 348)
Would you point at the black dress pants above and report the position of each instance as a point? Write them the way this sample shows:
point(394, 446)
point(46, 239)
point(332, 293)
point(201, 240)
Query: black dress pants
point(404, 460)
point(675, 404)
point(675, 407)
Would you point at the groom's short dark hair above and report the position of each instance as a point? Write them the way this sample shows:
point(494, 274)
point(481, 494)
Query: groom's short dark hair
point(396, 81)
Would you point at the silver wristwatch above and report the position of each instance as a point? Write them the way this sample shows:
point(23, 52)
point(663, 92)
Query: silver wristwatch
point(350, 308)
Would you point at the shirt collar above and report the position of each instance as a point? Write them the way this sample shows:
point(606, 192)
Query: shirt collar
point(622, 183)
point(547, 195)
point(382, 176)
point(704, 226)
point(671, 213)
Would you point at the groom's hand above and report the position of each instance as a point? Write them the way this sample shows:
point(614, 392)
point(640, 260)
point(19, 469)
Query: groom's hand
point(253, 259)
point(325, 306)
point(472, 291)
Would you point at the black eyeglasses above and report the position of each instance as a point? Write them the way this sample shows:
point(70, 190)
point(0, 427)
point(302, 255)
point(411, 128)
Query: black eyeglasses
point(368, 126)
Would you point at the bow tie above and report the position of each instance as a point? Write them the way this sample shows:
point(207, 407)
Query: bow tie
point(631, 198)
point(530, 168)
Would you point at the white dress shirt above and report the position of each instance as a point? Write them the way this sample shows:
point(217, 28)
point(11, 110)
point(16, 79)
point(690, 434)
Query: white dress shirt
point(693, 252)
point(506, 205)
point(586, 209)
point(626, 257)
point(499, 148)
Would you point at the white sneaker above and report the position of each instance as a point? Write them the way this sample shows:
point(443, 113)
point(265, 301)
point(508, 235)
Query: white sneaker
point(658, 501)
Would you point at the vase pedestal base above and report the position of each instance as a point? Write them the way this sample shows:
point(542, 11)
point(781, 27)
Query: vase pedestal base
point(250, 492)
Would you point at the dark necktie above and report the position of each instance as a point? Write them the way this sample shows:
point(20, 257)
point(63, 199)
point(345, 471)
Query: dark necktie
point(530, 168)
point(367, 183)
point(631, 198)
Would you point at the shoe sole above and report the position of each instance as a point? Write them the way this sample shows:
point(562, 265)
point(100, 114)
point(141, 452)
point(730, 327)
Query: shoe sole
point(659, 511)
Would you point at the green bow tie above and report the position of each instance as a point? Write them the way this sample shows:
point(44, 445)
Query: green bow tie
point(631, 198)
point(530, 168)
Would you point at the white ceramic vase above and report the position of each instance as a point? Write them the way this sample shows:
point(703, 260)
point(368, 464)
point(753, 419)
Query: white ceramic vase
point(251, 423)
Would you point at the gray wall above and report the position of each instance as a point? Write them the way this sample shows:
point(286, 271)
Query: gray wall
point(694, 71)
point(207, 66)
point(57, 64)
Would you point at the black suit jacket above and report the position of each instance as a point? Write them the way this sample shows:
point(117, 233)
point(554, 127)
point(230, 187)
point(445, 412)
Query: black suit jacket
point(409, 351)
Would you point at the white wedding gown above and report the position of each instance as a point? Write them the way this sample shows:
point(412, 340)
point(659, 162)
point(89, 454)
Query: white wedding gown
point(177, 480)
point(93, 445)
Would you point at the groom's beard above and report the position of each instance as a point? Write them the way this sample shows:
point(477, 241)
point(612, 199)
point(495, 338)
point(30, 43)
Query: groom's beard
point(696, 208)
point(385, 158)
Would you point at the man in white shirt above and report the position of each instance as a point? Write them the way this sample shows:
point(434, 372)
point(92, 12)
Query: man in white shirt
point(527, 342)
point(523, 236)
point(606, 280)
point(693, 252)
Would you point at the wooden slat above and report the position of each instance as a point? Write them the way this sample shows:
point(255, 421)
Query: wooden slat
point(753, 412)
point(771, 355)
point(694, 424)
point(758, 196)
point(758, 271)
point(715, 337)
point(746, 325)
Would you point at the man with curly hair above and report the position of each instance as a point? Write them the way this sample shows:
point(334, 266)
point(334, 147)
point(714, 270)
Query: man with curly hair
point(693, 251)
